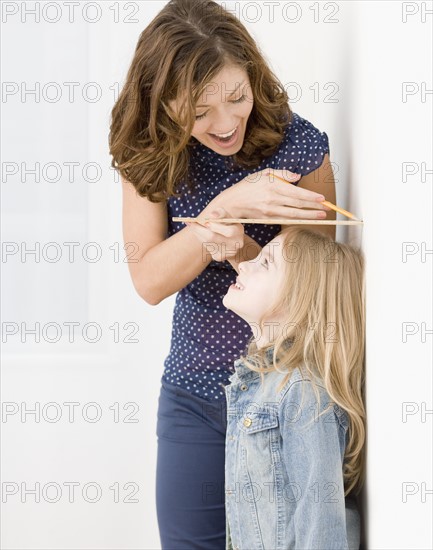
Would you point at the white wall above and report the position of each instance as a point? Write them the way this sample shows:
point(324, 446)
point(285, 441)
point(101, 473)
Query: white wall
point(348, 61)
point(389, 131)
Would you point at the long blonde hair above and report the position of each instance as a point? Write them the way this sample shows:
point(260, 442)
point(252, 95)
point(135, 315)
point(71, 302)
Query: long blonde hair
point(178, 54)
point(323, 295)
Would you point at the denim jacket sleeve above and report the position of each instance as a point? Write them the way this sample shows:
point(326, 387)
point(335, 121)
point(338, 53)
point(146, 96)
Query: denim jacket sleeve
point(313, 451)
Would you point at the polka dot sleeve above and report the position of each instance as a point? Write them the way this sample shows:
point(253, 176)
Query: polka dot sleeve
point(310, 144)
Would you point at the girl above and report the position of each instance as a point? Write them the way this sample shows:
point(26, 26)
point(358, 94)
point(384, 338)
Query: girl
point(200, 120)
point(296, 419)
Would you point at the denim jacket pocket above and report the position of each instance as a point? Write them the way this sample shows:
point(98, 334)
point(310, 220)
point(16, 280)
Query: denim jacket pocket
point(254, 422)
point(259, 446)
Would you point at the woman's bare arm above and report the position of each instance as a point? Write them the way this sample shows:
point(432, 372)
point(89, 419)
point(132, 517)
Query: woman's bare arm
point(159, 265)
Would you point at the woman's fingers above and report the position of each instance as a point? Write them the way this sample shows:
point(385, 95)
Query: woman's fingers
point(201, 232)
point(298, 193)
point(216, 232)
point(289, 195)
point(297, 213)
point(299, 203)
point(228, 238)
point(301, 198)
point(285, 174)
point(224, 229)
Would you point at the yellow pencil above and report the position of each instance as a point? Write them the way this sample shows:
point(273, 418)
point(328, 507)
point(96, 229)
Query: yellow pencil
point(326, 203)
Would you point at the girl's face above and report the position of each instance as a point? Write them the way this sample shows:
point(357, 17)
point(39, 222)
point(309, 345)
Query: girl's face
point(262, 279)
point(225, 105)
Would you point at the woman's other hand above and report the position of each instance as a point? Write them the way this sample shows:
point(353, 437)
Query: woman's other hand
point(222, 241)
point(260, 195)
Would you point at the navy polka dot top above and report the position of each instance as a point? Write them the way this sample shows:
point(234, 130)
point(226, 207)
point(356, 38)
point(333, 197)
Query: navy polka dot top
point(207, 337)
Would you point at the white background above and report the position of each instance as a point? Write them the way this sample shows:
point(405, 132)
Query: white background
point(365, 52)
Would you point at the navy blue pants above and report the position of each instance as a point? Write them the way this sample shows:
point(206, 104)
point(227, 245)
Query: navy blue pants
point(190, 492)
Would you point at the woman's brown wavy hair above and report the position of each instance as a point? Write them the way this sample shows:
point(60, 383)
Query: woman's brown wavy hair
point(177, 55)
point(323, 297)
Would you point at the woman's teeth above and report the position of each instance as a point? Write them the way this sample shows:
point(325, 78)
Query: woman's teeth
point(225, 135)
point(226, 138)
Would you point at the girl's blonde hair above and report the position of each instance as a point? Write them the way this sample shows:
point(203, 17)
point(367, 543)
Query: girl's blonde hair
point(178, 54)
point(323, 332)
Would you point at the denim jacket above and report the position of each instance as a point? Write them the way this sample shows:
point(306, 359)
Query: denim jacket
point(283, 466)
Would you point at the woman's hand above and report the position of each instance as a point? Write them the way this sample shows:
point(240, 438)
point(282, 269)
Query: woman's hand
point(260, 195)
point(221, 240)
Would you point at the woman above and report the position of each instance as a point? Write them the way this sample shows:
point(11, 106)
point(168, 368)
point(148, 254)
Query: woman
point(197, 74)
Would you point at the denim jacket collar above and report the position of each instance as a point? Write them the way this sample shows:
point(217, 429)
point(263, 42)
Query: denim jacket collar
point(243, 372)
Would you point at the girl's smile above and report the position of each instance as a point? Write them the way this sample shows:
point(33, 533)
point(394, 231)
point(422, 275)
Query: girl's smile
point(237, 285)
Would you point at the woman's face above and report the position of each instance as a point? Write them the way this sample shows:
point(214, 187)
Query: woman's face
point(225, 105)
point(262, 280)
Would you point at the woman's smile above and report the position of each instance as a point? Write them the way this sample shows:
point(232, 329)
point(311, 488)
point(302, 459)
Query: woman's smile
point(223, 111)
point(228, 142)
